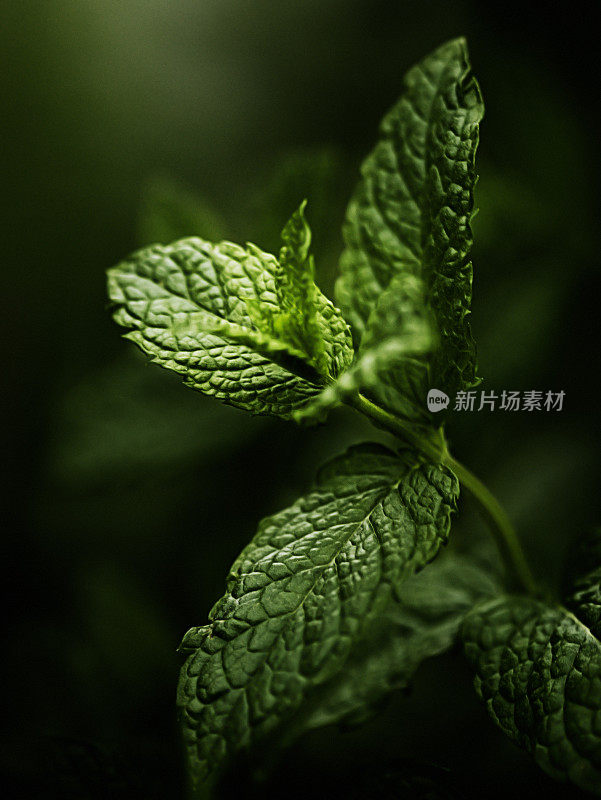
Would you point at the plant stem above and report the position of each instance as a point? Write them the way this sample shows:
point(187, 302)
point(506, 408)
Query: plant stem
point(499, 523)
point(490, 508)
point(433, 448)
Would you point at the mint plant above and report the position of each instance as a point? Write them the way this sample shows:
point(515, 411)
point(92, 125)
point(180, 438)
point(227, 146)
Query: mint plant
point(324, 612)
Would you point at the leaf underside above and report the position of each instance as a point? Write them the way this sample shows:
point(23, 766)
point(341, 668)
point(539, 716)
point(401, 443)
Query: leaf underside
point(303, 593)
point(421, 621)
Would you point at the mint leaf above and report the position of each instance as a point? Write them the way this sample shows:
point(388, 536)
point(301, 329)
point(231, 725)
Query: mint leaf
point(213, 313)
point(400, 329)
point(411, 212)
point(538, 669)
point(305, 319)
point(422, 621)
point(583, 596)
point(304, 592)
point(122, 420)
point(169, 211)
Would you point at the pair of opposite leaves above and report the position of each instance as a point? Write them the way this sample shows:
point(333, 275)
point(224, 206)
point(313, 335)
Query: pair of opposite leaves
point(311, 629)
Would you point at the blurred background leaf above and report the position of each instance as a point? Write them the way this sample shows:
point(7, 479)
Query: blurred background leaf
point(170, 211)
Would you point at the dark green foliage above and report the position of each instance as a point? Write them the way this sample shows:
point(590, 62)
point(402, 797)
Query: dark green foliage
point(538, 669)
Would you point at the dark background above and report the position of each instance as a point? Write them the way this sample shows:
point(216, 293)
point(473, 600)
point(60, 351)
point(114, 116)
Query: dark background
point(128, 496)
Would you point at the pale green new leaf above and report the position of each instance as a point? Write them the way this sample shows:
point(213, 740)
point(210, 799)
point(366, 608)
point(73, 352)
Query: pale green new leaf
point(538, 669)
point(305, 319)
point(411, 211)
point(400, 330)
point(302, 595)
point(200, 309)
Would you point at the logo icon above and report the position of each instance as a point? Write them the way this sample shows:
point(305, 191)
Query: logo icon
point(437, 400)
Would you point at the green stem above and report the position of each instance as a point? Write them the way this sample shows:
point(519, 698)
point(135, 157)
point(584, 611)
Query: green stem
point(490, 508)
point(433, 448)
point(500, 524)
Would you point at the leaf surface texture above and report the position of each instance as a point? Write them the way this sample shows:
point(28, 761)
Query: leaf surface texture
point(538, 670)
point(411, 214)
point(229, 318)
point(304, 592)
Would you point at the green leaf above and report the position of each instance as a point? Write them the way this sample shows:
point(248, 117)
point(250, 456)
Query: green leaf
point(316, 172)
point(122, 421)
point(304, 592)
point(213, 313)
point(400, 329)
point(583, 596)
point(305, 319)
point(169, 211)
point(298, 294)
point(422, 621)
point(538, 669)
point(411, 212)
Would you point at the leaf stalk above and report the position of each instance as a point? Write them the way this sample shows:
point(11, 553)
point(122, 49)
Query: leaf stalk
point(491, 510)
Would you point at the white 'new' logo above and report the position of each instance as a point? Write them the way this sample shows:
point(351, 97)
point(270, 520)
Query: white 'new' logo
point(437, 400)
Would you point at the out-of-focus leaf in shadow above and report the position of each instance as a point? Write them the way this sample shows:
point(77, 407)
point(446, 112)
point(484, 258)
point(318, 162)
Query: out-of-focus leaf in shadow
point(542, 158)
point(517, 341)
point(543, 487)
point(132, 418)
point(125, 645)
point(127, 418)
point(533, 233)
point(318, 174)
point(407, 778)
point(422, 623)
point(544, 492)
point(512, 219)
point(170, 211)
point(522, 277)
